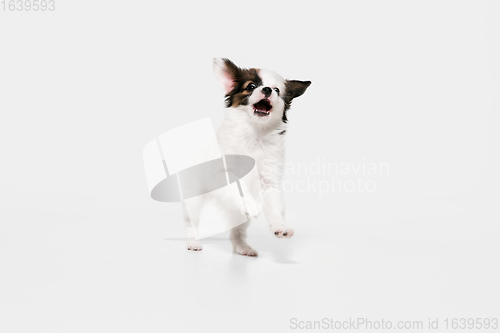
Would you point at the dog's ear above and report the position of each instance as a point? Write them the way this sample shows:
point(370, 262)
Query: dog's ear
point(227, 73)
point(295, 88)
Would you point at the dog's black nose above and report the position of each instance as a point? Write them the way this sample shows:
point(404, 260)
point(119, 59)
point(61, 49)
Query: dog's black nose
point(267, 91)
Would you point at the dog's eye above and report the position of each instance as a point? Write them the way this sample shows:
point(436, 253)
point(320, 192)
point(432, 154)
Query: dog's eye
point(277, 91)
point(251, 87)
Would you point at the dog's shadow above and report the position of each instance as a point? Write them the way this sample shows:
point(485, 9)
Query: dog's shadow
point(279, 250)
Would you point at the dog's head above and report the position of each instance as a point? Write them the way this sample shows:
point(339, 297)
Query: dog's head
point(262, 94)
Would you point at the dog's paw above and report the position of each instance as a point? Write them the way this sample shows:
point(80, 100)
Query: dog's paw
point(194, 245)
point(245, 250)
point(282, 231)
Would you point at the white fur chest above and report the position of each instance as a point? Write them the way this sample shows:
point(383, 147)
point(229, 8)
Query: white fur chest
point(237, 135)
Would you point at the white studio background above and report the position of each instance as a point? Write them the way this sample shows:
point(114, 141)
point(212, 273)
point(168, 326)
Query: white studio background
point(409, 87)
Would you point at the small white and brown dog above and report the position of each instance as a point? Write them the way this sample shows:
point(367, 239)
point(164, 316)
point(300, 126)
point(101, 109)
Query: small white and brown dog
point(255, 125)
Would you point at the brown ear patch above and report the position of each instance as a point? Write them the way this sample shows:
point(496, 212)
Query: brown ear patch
point(231, 70)
point(293, 88)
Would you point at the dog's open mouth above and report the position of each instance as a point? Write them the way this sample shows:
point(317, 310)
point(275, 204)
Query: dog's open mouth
point(262, 108)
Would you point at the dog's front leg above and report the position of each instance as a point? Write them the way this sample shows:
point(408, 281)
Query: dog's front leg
point(274, 209)
point(192, 243)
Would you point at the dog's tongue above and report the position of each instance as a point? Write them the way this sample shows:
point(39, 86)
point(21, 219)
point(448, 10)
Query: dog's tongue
point(262, 106)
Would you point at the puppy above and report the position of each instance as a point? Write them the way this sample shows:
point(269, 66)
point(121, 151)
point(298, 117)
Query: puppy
point(255, 125)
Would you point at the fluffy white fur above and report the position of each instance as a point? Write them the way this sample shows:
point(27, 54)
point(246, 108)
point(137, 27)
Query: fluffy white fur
point(244, 133)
